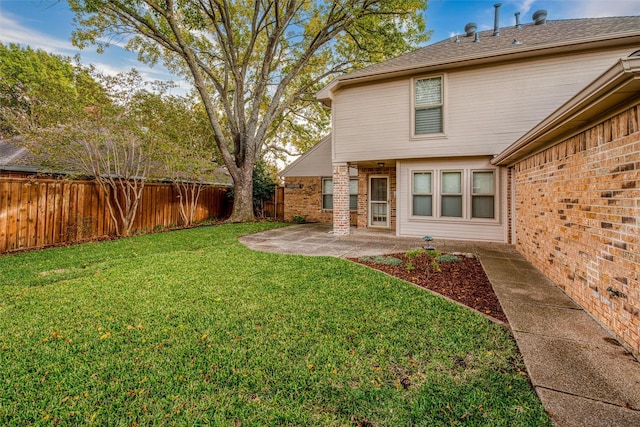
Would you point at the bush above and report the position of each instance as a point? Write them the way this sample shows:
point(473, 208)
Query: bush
point(415, 253)
point(448, 258)
point(379, 259)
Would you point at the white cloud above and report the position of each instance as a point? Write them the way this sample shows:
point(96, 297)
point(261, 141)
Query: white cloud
point(115, 60)
point(524, 6)
point(599, 8)
point(14, 32)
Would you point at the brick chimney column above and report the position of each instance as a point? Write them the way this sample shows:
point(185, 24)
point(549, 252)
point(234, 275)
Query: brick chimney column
point(341, 216)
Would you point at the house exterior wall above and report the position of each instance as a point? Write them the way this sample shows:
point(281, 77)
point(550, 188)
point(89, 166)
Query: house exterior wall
point(483, 108)
point(577, 219)
point(466, 228)
point(303, 197)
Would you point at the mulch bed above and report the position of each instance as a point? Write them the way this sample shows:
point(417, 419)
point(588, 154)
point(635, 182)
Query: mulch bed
point(464, 281)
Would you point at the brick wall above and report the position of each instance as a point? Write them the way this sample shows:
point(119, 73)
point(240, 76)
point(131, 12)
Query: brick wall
point(307, 200)
point(577, 207)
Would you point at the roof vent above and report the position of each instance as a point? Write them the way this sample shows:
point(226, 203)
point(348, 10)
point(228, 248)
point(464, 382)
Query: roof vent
point(477, 39)
point(470, 28)
point(516, 42)
point(496, 20)
point(518, 24)
point(457, 40)
point(540, 17)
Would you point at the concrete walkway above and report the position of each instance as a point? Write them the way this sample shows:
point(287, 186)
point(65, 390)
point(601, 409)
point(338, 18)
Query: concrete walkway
point(580, 372)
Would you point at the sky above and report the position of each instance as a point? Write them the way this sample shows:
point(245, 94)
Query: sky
point(48, 24)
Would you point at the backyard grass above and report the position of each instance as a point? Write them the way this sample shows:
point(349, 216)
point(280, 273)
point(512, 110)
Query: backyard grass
point(192, 328)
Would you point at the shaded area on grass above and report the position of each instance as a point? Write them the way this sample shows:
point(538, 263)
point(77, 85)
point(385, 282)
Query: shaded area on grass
point(191, 327)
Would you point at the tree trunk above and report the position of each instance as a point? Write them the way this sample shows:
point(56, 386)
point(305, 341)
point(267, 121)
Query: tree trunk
point(243, 195)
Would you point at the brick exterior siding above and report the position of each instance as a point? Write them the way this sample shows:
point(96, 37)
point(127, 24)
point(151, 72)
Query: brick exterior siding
point(577, 219)
point(306, 200)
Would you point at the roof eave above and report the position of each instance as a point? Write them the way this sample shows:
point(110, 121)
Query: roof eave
point(612, 90)
point(325, 95)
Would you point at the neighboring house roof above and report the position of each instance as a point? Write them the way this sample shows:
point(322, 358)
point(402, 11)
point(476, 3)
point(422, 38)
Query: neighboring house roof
point(16, 158)
point(604, 97)
point(533, 40)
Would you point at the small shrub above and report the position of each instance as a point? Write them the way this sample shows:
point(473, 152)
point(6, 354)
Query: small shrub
point(298, 219)
point(436, 266)
point(409, 266)
point(415, 253)
point(379, 259)
point(433, 253)
point(448, 258)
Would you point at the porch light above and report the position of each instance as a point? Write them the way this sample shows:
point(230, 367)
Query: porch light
point(380, 164)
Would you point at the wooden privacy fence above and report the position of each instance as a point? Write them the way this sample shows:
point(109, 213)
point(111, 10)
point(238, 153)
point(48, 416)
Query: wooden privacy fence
point(275, 208)
point(36, 212)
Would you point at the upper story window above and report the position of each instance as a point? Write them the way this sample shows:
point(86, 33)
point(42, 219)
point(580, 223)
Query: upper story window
point(428, 106)
point(327, 194)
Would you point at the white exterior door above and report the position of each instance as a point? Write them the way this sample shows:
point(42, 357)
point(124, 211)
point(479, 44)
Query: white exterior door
point(379, 201)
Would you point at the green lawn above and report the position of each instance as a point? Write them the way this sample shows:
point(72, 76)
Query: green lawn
point(192, 328)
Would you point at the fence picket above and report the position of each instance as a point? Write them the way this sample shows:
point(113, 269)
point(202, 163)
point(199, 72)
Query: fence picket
point(36, 212)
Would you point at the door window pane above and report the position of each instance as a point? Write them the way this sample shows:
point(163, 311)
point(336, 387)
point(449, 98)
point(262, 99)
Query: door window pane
point(379, 189)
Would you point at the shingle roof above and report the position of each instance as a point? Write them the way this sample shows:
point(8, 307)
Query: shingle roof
point(570, 32)
point(16, 157)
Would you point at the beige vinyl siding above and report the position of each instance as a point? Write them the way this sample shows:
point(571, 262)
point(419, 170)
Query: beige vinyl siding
point(466, 228)
point(485, 109)
point(315, 162)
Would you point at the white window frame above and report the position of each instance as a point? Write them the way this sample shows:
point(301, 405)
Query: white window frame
point(413, 194)
point(460, 194)
point(467, 195)
point(322, 194)
point(442, 106)
point(492, 194)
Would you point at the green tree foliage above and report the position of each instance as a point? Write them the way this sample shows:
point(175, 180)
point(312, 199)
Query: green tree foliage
point(186, 153)
point(256, 64)
point(38, 89)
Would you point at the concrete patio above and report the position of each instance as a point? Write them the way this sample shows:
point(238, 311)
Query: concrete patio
point(582, 375)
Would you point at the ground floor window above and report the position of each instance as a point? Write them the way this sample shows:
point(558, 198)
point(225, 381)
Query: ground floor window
point(451, 194)
point(483, 194)
point(327, 194)
point(467, 194)
point(422, 194)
